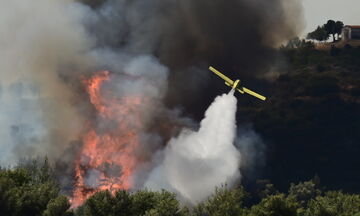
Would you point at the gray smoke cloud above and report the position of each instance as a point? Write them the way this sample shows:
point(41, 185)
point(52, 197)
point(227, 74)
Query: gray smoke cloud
point(158, 49)
point(236, 35)
point(36, 39)
point(252, 149)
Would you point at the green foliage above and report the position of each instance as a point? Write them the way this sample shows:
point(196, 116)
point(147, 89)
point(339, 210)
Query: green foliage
point(303, 193)
point(320, 34)
point(28, 190)
point(33, 199)
point(265, 188)
point(330, 28)
point(31, 190)
point(142, 202)
point(338, 27)
point(333, 28)
point(155, 203)
point(223, 202)
point(58, 207)
point(123, 203)
point(323, 32)
point(18, 177)
point(334, 203)
point(38, 170)
point(275, 205)
point(100, 204)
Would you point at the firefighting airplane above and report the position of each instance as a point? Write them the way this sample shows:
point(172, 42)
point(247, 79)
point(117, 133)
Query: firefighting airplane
point(236, 85)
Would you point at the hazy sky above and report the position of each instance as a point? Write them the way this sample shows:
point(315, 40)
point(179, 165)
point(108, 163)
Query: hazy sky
point(317, 12)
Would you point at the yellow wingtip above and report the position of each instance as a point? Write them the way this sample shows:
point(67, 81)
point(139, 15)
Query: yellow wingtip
point(259, 96)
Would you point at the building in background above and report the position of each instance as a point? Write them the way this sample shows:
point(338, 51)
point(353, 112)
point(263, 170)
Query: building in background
point(350, 36)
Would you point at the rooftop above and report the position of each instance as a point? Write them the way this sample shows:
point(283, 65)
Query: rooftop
point(353, 26)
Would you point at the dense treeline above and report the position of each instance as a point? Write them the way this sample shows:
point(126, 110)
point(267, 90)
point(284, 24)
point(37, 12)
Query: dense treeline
point(31, 190)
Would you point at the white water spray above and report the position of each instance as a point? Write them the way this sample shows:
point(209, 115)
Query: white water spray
point(196, 162)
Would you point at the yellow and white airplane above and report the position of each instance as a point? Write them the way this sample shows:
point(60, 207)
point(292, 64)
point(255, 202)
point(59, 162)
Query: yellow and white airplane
point(236, 85)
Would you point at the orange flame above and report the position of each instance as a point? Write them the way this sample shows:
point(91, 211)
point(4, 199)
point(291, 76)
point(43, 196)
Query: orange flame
point(107, 159)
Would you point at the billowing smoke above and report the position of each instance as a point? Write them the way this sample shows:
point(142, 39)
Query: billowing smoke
point(237, 36)
point(37, 39)
point(252, 150)
point(157, 52)
point(195, 162)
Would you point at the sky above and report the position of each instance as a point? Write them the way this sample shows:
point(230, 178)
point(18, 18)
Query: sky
point(317, 12)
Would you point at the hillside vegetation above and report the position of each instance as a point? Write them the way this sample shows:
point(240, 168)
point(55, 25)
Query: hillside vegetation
point(311, 122)
point(31, 190)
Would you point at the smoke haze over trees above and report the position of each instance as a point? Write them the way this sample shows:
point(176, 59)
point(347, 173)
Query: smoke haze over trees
point(55, 50)
point(157, 53)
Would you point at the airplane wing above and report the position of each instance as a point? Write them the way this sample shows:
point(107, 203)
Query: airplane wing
point(227, 79)
point(230, 83)
point(253, 93)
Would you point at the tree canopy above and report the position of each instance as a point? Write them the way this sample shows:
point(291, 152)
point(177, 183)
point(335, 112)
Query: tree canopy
point(322, 33)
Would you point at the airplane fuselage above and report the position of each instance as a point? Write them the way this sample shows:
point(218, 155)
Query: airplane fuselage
point(236, 84)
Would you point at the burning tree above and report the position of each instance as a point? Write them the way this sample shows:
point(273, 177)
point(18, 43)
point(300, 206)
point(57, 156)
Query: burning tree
point(108, 158)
